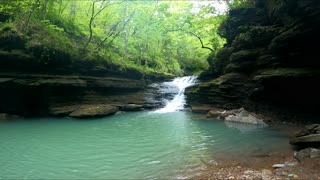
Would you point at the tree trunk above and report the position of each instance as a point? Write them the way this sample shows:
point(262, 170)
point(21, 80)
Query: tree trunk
point(34, 6)
point(44, 9)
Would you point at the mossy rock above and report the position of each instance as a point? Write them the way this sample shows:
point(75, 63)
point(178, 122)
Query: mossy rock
point(245, 55)
point(11, 38)
point(286, 72)
point(257, 36)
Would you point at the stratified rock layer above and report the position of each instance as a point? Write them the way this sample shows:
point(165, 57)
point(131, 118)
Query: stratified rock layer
point(270, 62)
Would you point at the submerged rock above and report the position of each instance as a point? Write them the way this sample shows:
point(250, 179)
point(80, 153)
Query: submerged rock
point(245, 117)
point(90, 111)
point(245, 127)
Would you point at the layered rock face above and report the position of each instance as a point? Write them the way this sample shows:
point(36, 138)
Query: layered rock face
point(270, 62)
point(57, 95)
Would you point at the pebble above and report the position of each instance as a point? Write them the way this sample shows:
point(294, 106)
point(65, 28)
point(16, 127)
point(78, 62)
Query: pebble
point(291, 164)
point(293, 176)
point(278, 166)
point(266, 171)
point(248, 172)
point(281, 173)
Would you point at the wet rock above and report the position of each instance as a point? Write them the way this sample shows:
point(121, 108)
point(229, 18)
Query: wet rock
point(6, 117)
point(131, 107)
point(312, 140)
point(201, 109)
point(309, 137)
point(215, 113)
point(151, 106)
point(245, 117)
point(90, 111)
point(62, 110)
point(307, 153)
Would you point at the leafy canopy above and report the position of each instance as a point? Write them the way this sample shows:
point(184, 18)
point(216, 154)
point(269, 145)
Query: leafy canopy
point(172, 37)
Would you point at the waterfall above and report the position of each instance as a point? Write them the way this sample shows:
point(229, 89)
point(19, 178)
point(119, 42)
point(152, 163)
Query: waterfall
point(178, 85)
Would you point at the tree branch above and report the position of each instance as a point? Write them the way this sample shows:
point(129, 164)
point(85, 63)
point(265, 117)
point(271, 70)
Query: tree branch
point(124, 25)
point(93, 16)
point(195, 35)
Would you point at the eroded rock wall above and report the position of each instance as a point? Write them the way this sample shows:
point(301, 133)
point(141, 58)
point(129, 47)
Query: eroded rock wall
point(270, 62)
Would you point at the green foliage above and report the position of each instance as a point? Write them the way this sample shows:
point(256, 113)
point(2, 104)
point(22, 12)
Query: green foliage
point(238, 19)
point(148, 36)
point(240, 4)
point(49, 38)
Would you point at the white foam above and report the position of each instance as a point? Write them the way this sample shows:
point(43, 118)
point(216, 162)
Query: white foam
point(178, 102)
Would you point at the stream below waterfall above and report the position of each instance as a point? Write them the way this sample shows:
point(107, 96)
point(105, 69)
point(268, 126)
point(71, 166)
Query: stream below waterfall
point(164, 144)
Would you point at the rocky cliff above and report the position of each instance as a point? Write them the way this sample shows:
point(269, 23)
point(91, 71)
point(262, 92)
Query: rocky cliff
point(270, 62)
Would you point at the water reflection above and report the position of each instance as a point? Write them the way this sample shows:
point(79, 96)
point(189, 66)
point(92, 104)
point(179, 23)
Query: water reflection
point(244, 127)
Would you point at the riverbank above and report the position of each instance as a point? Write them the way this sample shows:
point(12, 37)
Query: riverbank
point(293, 162)
point(261, 168)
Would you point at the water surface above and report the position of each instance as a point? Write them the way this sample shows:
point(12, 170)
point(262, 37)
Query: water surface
point(137, 145)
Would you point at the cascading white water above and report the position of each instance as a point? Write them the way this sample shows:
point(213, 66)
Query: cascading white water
point(178, 102)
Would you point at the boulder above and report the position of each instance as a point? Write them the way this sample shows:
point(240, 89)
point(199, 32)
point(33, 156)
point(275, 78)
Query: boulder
point(244, 116)
point(233, 112)
point(307, 153)
point(90, 111)
point(215, 113)
point(308, 137)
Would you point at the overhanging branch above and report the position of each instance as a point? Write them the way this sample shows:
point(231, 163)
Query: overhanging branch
point(195, 35)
